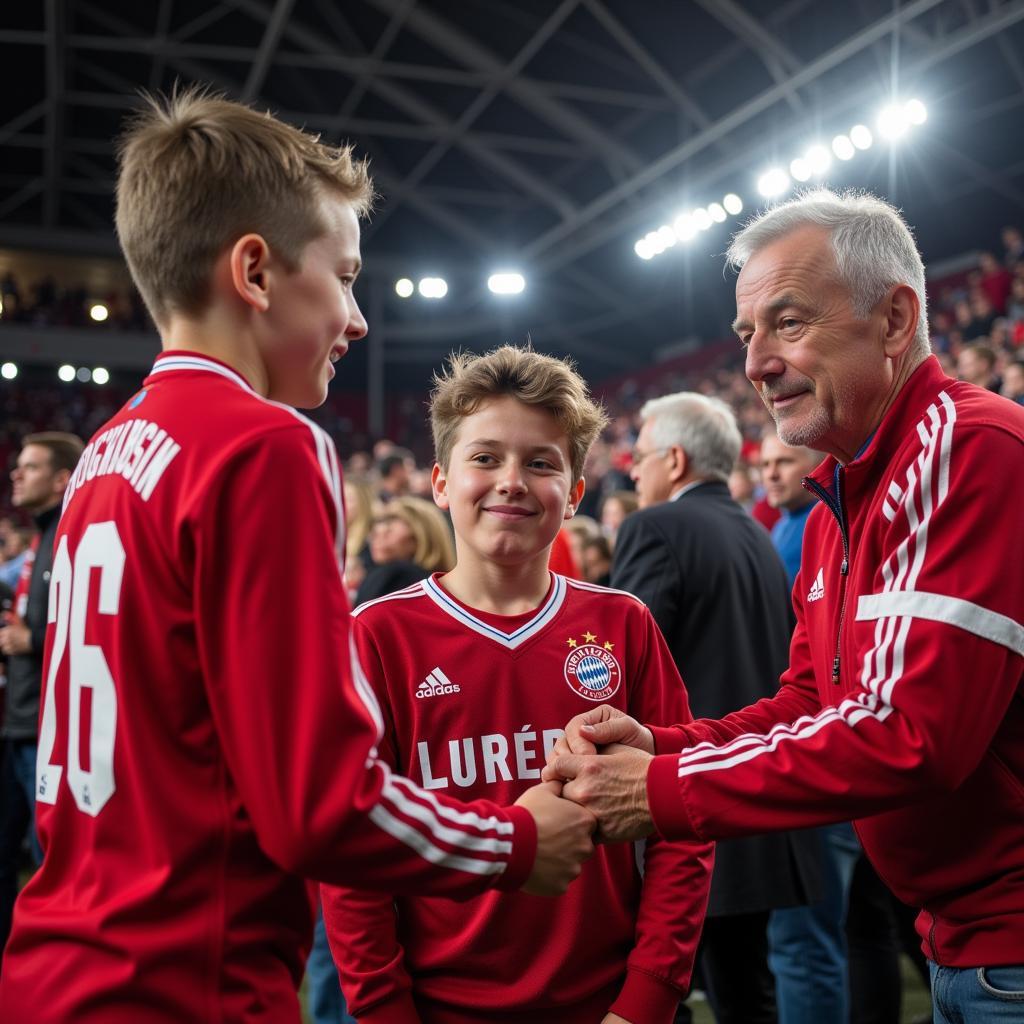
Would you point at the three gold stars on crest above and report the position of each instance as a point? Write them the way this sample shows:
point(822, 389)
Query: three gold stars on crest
point(589, 638)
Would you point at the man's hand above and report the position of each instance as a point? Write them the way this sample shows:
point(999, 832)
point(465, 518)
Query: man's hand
point(597, 728)
point(15, 637)
point(611, 785)
point(563, 839)
point(613, 1018)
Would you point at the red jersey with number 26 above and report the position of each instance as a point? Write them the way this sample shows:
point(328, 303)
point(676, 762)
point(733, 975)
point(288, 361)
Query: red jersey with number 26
point(207, 736)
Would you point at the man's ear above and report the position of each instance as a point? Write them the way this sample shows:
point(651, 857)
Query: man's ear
point(902, 310)
point(680, 464)
point(439, 487)
point(248, 265)
point(575, 497)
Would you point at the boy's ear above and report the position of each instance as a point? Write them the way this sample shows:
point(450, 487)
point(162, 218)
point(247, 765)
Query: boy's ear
point(439, 486)
point(247, 262)
point(575, 497)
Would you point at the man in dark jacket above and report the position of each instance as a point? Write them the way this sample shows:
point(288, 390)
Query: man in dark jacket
point(39, 480)
point(716, 587)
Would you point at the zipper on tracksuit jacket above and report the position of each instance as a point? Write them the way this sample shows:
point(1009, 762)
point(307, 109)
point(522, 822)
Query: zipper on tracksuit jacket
point(835, 505)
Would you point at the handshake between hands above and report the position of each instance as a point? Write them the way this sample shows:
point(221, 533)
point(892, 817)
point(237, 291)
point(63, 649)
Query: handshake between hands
point(594, 790)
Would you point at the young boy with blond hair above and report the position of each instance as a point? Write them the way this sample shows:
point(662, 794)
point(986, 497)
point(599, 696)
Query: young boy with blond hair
point(477, 670)
point(206, 739)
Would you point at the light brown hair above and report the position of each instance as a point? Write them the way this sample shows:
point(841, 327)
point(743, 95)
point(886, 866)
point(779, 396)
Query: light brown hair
point(435, 550)
point(65, 449)
point(528, 376)
point(197, 172)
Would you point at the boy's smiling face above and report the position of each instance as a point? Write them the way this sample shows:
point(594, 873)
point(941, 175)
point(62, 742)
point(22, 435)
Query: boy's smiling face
point(313, 314)
point(508, 484)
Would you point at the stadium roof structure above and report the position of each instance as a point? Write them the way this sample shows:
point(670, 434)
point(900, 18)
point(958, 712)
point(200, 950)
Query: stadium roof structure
point(535, 135)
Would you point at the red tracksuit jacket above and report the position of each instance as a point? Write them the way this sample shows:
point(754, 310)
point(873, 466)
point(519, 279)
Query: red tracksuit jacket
point(903, 705)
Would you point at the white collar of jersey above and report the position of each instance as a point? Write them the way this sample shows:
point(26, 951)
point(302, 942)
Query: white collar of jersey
point(544, 615)
point(192, 361)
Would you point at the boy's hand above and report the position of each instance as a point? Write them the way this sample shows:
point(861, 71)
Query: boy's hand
point(613, 786)
point(613, 1018)
point(563, 839)
point(597, 728)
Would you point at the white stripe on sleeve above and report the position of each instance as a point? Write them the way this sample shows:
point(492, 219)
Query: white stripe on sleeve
point(953, 611)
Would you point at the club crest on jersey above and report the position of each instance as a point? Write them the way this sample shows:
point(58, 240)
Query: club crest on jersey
point(591, 669)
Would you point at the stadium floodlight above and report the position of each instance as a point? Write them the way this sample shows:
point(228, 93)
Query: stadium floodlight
point(773, 182)
point(66, 373)
point(667, 236)
point(800, 169)
point(916, 111)
point(843, 147)
point(100, 375)
point(433, 287)
point(98, 312)
point(684, 227)
point(643, 249)
point(404, 288)
point(717, 212)
point(892, 122)
point(9, 371)
point(655, 243)
point(818, 159)
point(506, 282)
point(732, 203)
point(701, 219)
point(84, 374)
point(860, 136)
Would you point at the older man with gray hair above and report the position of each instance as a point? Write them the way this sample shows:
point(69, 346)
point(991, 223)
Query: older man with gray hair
point(903, 704)
point(715, 586)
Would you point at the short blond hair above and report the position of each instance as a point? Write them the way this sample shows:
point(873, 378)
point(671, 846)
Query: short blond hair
point(197, 172)
point(435, 550)
point(528, 376)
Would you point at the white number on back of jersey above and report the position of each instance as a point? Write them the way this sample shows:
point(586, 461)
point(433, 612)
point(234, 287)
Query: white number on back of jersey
point(101, 550)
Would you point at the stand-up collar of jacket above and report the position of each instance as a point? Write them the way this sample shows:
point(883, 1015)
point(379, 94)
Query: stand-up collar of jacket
point(46, 517)
point(922, 387)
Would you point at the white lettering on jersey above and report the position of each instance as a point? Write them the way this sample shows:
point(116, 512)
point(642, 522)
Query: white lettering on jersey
point(137, 450)
point(466, 756)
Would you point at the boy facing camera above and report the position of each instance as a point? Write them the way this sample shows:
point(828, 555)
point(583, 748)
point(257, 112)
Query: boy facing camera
point(477, 670)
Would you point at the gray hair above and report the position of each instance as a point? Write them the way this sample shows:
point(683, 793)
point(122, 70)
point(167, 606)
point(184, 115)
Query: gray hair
point(705, 428)
point(873, 246)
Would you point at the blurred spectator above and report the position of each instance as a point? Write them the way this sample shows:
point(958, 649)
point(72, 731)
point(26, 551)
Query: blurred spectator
point(14, 549)
point(561, 558)
point(409, 540)
point(1013, 382)
point(976, 365)
point(597, 561)
point(579, 530)
point(615, 507)
point(995, 282)
point(394, 472)
point(359, 500)
point(1013, 244)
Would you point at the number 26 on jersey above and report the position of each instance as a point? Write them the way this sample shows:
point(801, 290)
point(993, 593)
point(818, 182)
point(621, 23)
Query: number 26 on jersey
point(100, 551)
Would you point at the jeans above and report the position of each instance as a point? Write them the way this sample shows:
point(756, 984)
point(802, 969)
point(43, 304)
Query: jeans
point(808, 944)
point(977, 995)
point(326, 1002)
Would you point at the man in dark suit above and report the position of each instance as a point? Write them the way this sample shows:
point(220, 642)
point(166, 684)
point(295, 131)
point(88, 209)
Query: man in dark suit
point(717, 589)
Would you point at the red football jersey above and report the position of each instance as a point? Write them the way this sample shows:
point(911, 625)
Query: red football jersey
point(207, 736)
point(473, 702)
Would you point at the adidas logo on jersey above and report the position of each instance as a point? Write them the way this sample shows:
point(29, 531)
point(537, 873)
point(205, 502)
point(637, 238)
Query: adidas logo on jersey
point(817, 591)
point(436, 685)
